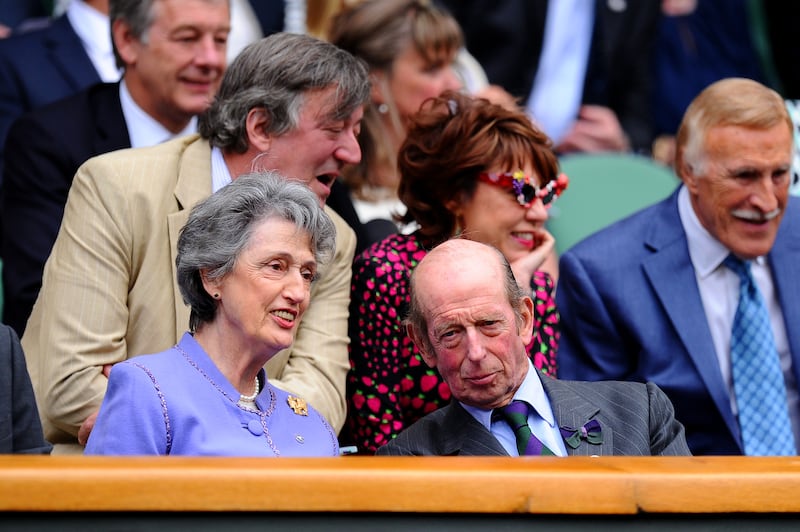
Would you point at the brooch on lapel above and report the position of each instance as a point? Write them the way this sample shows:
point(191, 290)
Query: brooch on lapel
point(591, 432)
point(298, 406)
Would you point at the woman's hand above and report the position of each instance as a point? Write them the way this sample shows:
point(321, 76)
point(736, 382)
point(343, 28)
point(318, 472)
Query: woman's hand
point(524, 266)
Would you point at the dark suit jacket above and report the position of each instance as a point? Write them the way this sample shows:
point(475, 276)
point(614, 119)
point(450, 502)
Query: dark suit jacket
point(631, 310)
point(506, 37)
point(20, 428)
point(635, 419)
point(45, 149)
point(39, 67)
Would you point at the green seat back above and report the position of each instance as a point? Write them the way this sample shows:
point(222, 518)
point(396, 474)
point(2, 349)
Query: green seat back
point(604, 188)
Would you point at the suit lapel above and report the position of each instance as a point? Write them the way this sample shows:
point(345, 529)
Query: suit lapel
point(193, 185)
point(464, 436)
point(573, 411)
point(68, 56)
point(783, 260)
point(110, 125)
point(670, 266)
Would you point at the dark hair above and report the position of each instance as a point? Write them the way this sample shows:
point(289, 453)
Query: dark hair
point(275, 74)
point(220, 227)
point(451, 140)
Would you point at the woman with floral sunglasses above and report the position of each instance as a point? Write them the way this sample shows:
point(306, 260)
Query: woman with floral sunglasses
point(468, 168)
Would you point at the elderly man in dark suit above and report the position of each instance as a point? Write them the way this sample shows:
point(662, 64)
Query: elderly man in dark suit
point(172, 69)
point(20, 428)
point(471, 321)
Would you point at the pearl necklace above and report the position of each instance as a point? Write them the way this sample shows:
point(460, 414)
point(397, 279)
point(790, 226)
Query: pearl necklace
point(251, 398)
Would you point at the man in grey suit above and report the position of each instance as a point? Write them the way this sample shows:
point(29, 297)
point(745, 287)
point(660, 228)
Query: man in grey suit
point(471, 321)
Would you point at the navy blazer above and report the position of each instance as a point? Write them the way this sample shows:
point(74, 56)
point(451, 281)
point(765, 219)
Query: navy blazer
point(20, 427)
point(506, 37)
point(635, 420)
point(39, 67)
point(45, 149)
point(631, 310)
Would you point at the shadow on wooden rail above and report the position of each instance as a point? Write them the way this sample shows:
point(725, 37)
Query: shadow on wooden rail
point(538, 485)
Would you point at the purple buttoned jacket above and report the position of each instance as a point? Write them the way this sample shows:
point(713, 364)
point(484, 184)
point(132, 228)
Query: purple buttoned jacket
point(177, 402)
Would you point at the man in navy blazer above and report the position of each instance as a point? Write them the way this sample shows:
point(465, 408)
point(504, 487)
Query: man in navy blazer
point(44, 65)
point(507, 37)
point(649, 298)
point(471, 322)
point(166, 84)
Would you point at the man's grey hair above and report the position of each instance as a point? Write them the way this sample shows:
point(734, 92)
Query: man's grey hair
point(220, 227)
point(274, 74)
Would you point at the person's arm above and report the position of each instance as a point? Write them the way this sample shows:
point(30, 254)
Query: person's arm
point(26, 429)
point(667, 435)
point(36, 179)
point(591, 347)
point(133, 419)
point(81, 319)
point(317, 362)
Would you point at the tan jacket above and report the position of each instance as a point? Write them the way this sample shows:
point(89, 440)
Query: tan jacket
point(109, 290)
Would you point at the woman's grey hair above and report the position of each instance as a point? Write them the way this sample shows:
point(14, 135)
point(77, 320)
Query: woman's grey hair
point(138, 15)
point(275, 74)
point(417, 318)
point(220, 227)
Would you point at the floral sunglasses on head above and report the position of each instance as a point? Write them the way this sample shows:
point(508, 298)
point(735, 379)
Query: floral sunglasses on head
point(523, 188)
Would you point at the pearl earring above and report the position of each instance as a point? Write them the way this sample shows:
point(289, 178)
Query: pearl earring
point(383, 108)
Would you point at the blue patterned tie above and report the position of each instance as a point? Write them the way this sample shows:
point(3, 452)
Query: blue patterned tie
point(757, 376)
point(515, 414)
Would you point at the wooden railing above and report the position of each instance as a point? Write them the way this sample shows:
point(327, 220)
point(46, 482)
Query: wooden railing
point(446, 485)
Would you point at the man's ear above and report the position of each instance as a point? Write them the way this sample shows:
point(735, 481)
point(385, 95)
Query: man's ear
point(526, 325)
point(256, 125)
point(422, 345)
point(126, 44)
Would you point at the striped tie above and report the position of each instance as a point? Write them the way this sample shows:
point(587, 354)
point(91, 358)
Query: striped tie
point(516, 415)
point(757, 376)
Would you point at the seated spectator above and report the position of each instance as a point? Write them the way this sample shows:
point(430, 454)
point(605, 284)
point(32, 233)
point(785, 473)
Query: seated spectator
point(166, 83)
point(697, 293)
point(246, 259)
point(290, 103)
point(471, 321)
point(468, 167)
point(581, 67)
point(20, 428)
point(409, 47)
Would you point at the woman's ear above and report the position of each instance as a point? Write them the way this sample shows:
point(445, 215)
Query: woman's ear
point(256, 125)
point(378, 87)
point(211, 286)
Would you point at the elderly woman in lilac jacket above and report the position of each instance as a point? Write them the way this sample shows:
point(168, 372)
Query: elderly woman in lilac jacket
point(245, 263)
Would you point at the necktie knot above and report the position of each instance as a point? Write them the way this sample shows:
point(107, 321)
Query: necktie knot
point(515, 414)
point(739, 267)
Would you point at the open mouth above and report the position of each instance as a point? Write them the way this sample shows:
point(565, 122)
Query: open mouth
point(327, 179)
point(285, 315)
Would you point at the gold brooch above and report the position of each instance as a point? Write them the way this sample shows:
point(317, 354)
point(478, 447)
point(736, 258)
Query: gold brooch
point(298, 406)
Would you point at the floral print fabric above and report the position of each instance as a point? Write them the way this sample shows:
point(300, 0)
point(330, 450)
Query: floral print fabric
point(389, 386)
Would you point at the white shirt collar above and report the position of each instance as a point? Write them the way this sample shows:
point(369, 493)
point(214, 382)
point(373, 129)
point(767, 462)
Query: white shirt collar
point(143, 129)
point(220, 175)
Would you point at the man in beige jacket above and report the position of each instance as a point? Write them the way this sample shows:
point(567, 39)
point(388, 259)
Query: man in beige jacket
point(289, 103)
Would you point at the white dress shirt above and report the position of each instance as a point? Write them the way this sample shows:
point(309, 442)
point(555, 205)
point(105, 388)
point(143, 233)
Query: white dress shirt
point(143, 129)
